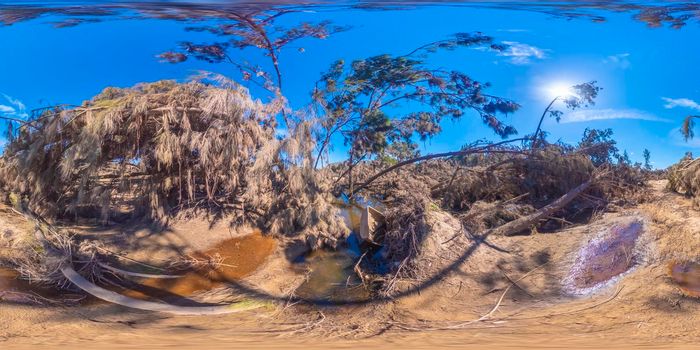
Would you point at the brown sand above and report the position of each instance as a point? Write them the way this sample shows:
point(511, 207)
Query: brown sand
point(643, 309)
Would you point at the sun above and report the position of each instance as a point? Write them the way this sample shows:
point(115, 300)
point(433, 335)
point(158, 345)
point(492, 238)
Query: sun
point(559, 89)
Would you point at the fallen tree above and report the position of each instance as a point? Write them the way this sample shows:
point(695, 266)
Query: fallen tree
point(165, 149)
point(528, 221)
point(416, 248)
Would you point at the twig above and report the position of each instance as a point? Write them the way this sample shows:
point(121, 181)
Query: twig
point(358, 271)
point(135, 274)
point(573, 311)
point(128, 259)
point(515, 283)
point(482, 318)
point(390, 286)
point(495, 207)
point(500, 300)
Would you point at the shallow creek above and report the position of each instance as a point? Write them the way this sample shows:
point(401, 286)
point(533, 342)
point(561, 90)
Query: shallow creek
point(226, 262)
point(330, 276)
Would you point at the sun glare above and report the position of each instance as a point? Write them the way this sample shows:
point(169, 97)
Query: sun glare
point(559, 89)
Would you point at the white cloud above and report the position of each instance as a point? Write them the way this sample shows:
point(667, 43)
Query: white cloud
point(7, 109)
point(16, 108)
point(621, 60)
point(521, 54)
point(585, 115)
point(680, 102)
point(20, 106)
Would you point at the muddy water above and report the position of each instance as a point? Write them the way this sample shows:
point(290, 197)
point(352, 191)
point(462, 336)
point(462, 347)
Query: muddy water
point(331, 278)
point(16, 290)
point(351, 213)
point(607, 257)
point(330, 274)
point(10, 285)
point(228, 261)
point(687, 276)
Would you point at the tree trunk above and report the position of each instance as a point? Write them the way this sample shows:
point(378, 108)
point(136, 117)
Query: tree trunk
point(526, 222)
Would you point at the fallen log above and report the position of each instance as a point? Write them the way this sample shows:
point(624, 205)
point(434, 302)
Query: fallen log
point(526, 222)
point(119, 299)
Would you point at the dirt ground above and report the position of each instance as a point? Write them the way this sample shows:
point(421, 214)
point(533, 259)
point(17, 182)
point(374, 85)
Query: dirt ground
point(506, 292)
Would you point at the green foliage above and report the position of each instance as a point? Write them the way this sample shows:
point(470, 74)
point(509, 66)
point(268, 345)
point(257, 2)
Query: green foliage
point(384, 100)
point(647, 159)
point(255, 29)
point(398, 151)
point(581, 95)
point(599, 146)
point(624, 159)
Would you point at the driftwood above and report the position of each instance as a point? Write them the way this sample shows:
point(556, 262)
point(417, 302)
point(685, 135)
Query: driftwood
point(79, 281)
point(135, 274)
point(526, 222)
point(116, 298)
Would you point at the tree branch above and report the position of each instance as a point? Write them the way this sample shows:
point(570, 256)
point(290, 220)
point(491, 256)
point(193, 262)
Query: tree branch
point(483, 149)
point(539, 125)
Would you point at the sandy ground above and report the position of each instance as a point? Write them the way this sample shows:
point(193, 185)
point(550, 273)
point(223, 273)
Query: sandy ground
point(642, 308)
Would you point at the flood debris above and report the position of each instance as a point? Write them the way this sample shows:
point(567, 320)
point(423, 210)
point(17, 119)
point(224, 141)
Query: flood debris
point(499, 194)
point(119, 299)
point(684, 178)
point(372, 224)
point(168, 150)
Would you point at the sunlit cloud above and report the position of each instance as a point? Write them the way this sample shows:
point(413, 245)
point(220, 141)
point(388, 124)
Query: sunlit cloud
point(680, 102)
point(586, 115)
point(7, 109)
point(15, 108)
point(620, 60)
point(522, 54)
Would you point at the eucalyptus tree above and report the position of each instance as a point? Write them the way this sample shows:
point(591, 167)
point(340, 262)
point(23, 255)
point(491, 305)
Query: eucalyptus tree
point(380, 104)
point(599, 145)
point(647, 159)
point(256, 29)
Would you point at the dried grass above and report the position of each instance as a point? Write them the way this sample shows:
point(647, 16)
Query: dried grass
point(167, 149)
point(684, 178)
point(486, 192)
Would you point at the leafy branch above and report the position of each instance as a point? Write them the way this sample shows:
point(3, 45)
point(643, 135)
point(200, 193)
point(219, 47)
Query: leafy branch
point(578, 96)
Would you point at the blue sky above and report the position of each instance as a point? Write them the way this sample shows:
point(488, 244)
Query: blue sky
point(649, 75)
